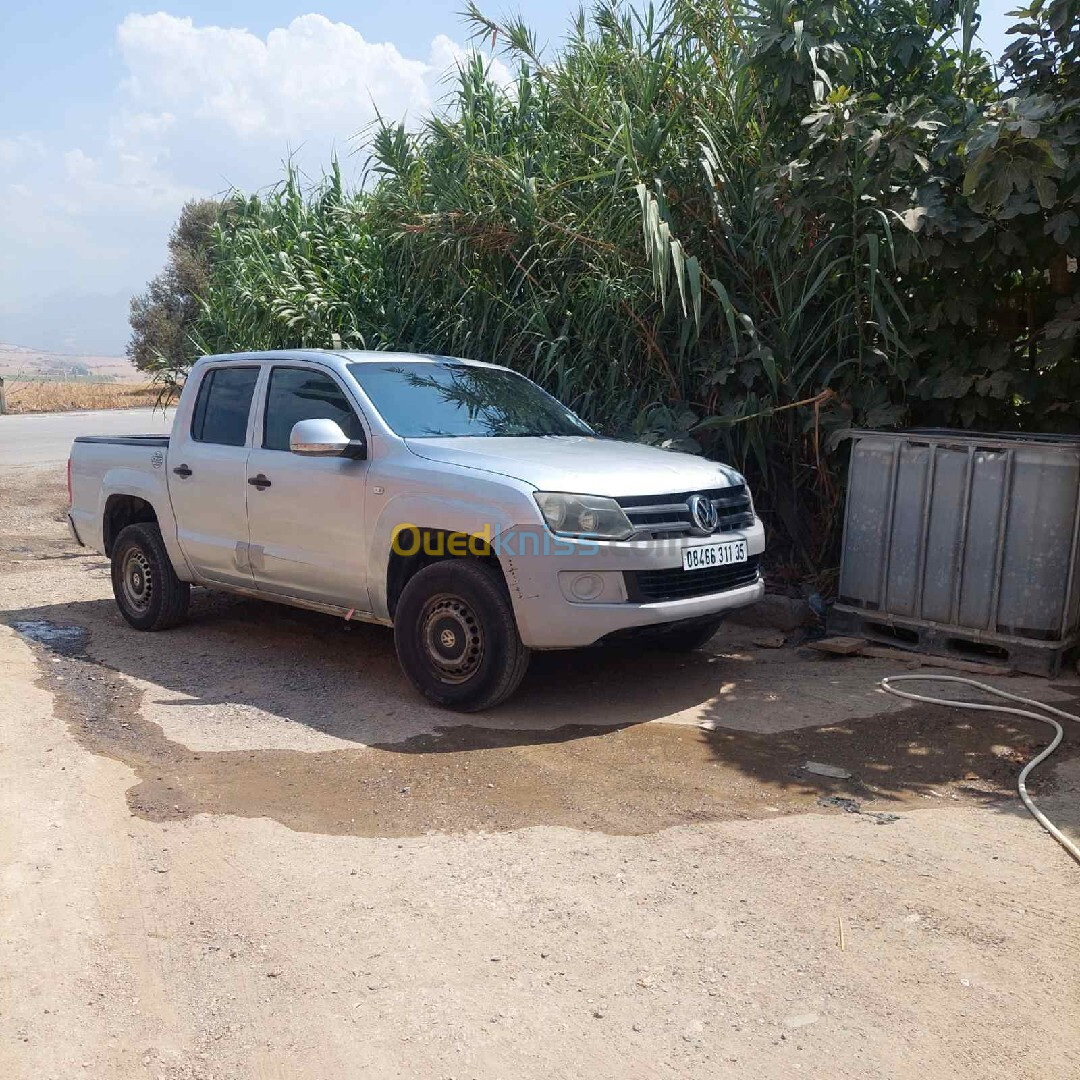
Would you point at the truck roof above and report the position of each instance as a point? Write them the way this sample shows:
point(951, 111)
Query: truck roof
point(346, 356)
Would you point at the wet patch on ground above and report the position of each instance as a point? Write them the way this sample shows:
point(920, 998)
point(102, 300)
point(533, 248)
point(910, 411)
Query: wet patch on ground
point(65, 640)
point(622, 780)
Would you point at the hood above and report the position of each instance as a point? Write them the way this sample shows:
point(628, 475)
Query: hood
point(581, 464)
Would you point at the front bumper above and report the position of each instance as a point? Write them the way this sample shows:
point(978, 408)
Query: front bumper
point(548, 618)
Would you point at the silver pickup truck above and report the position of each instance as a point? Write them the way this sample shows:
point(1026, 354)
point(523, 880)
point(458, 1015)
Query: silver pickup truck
point(452, 500)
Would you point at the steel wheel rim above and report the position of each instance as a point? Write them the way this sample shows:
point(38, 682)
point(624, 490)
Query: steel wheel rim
point(137, 581)
point(452, 638)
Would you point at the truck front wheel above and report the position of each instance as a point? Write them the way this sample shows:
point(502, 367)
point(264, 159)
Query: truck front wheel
point(148, 592)
point(456, 637)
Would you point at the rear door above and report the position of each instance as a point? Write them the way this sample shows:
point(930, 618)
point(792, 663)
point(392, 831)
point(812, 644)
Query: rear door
point(208, 475)
point(306, 515)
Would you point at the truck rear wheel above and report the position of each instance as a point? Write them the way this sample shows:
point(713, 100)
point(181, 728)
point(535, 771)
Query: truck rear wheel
point(456, 636)
point(148, 592)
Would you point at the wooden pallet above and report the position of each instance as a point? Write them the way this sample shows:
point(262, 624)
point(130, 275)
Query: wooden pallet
point(857, 646)
point(1001, 650)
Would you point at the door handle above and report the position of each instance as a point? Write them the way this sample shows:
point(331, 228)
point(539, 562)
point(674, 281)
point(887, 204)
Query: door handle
point(182, 470)
point(261, 481)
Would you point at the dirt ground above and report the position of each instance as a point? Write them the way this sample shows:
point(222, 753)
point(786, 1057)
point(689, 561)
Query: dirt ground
point(245, 848)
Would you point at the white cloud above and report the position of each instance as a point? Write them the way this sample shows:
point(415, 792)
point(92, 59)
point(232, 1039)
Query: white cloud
point(313, 75)
point(200, 109)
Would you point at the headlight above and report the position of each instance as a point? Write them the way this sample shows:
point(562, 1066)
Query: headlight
point(584, 515)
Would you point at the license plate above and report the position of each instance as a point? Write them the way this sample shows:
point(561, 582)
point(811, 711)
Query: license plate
point(709, 555)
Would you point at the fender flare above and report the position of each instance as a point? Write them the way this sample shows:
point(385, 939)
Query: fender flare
point(446, 513)
point(153, 490)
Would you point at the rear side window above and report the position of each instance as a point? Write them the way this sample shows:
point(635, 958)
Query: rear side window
point(223, 404)
point(297, 394)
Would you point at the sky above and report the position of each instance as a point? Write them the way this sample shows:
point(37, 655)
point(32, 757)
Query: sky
point(112, 115)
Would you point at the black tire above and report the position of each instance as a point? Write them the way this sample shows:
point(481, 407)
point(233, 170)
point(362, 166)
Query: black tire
point(684, 638)
point(148, 592)
point(456, 637)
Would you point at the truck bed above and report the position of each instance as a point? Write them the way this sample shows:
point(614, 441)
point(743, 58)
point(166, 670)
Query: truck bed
point(103, 465)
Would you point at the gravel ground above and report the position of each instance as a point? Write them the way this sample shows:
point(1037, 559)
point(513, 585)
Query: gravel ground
point(246, 849)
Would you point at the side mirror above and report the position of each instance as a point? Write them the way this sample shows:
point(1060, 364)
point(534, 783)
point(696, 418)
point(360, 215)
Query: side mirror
point(323, 438)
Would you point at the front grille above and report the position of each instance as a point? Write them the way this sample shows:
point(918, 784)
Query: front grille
point(668, 516)
point(649, 586)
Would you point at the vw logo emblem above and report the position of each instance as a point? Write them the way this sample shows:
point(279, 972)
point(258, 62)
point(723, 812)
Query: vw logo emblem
point(703, 513)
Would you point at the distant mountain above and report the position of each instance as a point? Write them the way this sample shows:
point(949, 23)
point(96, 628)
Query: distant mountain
point(81, 324)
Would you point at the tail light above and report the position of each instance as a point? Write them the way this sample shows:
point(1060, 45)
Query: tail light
point(71, 497)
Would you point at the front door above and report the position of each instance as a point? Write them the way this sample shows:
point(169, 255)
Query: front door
point(305, 514)
point(208, 476)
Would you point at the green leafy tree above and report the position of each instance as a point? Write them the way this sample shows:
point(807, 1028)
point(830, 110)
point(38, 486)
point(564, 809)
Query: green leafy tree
point(162, 318)
point(996, 312)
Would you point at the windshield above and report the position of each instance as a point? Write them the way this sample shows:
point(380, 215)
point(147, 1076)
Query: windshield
point(424, 399)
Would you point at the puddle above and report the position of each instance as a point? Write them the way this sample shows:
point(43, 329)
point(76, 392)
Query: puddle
point(635, 779)
point(66, 640)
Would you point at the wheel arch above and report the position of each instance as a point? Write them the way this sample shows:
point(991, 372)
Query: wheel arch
point(122, 510)
point(438, 515)
point(130, 495)
point(415, 546)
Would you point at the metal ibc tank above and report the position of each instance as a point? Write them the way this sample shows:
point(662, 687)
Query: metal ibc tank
point(963, 543)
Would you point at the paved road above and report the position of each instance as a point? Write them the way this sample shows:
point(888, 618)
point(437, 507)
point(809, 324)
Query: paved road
point(45, 438)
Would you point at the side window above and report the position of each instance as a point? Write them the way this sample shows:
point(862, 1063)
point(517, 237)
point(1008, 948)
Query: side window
point(223, 404)
point(302, 394)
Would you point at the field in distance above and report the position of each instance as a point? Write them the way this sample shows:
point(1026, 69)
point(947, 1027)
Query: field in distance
point(22, 361)
point(54, 395)
point(37, 380)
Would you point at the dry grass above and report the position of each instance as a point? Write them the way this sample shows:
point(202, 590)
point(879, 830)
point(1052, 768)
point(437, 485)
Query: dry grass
point(30, 396)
